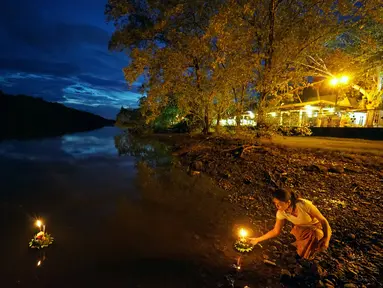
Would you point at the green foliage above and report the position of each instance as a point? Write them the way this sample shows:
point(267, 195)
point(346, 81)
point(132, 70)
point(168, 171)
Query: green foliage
point(152, 152)
point(168, 118)
point(295, 131)
point(128, 116)
point(243, 247)
point(40, 243)
point(211, 57)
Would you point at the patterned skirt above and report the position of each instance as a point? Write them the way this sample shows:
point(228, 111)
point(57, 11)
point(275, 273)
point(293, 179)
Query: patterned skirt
point(307, 238)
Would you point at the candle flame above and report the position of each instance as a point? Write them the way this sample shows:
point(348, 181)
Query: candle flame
point(39, 223)
point(39, 263)
point(242, 233)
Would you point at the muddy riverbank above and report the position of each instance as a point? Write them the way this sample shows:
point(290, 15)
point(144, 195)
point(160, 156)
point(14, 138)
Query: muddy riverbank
point(346, 185)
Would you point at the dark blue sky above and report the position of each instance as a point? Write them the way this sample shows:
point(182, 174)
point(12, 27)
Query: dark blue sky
point(58, 50)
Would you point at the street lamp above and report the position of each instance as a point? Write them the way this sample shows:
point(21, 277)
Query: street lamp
point(336, 82)
point(342, 80)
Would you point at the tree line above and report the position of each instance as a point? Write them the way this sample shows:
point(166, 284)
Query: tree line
point(210, 59)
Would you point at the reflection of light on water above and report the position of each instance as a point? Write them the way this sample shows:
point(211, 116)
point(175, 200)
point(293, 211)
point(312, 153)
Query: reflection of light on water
point(80, 145)
point(83, 146)
point(40, 259)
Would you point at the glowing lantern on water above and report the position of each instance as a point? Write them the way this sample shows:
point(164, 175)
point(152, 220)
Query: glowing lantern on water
point(40, 239)
point(242, 245)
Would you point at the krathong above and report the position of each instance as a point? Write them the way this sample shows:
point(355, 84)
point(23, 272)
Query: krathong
point(242, 245)
point(41, 239)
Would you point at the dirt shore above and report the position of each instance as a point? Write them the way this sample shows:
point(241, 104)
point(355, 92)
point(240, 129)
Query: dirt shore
point(343, 178)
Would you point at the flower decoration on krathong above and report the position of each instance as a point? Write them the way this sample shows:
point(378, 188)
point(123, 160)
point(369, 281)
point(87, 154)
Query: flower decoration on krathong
point(41, 238)
point(242, 245)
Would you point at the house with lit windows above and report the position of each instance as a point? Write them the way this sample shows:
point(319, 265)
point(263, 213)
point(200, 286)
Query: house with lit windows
point(325, 108)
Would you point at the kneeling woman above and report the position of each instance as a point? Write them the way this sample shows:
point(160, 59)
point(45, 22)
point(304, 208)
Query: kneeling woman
point(311, 229)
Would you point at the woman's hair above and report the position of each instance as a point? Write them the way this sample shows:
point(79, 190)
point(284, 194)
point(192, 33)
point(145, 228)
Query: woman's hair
point(284, 195)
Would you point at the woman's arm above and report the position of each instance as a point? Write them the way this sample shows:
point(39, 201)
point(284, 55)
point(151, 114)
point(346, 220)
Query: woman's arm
point(271, 234)
point(325, 241)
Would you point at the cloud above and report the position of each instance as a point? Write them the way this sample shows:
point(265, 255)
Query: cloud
point(98, 81)
point(104, 100)
point(58, 50)
point(39, 66)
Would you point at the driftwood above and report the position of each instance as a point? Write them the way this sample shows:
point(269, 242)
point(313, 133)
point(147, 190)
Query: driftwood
point(242, 149)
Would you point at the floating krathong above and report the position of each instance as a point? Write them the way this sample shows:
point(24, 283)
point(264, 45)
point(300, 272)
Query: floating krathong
point(41, 238)
point(242, 245)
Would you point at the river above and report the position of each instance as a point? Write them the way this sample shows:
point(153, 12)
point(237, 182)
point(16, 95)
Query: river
point(121, 214)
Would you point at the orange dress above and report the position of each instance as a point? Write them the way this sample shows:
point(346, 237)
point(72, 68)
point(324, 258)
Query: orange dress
point(307, 230)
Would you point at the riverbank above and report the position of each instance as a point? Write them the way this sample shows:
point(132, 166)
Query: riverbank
point(343, 178)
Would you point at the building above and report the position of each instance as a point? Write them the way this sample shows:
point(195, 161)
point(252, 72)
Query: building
point(325, 108)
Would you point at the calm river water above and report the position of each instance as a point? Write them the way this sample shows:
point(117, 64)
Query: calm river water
point(120, 214)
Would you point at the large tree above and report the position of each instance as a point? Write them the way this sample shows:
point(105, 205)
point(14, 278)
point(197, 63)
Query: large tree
point(357, 53)
point(276, 41)
point(166, 42)
point(212, 55)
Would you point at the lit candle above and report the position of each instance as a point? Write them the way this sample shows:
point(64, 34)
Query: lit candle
point(39, 223)
point(243, 234)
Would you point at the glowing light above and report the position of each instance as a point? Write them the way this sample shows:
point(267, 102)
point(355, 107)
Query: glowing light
point(251, 114)
point(309, 107)
point(331, 110)
point(344, 79)
point(273, 114)
point(341, 80)
point(39, 263)
point(334, 81)
point(39, 223)
point(243, 233)
point(239, 267)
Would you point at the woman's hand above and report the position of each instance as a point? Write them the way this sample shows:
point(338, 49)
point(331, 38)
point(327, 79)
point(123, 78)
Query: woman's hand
point(254, 241)
point(323, 243)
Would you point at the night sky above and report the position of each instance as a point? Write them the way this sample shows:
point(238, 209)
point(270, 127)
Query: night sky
point(58, 50)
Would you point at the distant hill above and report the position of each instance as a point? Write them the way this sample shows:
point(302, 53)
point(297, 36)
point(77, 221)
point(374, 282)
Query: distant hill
point(23, 117)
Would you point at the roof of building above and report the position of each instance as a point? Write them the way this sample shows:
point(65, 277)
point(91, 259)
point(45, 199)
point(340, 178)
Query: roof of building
point(321, 97)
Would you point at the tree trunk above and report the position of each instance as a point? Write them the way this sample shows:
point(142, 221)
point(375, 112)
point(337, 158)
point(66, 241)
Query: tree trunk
point(261, 117)
point(240, 105)
point(206, 121)
point(370, 117)
point(270, 51)
point(218, 126)
point(238, 118)
point(237, 108)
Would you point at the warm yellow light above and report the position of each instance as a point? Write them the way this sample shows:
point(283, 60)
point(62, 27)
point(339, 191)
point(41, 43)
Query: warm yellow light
point(273, 114)
point(242, 233)
point(334, 81)
point(344, 79)
point(309, 107)
point(39, 263)
point(340, 80)
point(39, 223)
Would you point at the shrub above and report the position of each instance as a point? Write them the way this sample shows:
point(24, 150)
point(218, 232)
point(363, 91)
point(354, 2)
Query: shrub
point(294, 131)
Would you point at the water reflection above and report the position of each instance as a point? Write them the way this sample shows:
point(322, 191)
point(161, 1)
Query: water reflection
point(118, 216)
point(68, 147)
point(40, 259)
point(152, 152)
